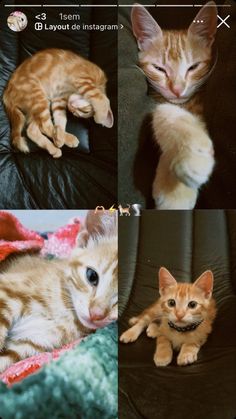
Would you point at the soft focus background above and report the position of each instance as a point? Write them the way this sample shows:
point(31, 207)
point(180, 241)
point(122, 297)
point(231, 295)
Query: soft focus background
point(46, 220)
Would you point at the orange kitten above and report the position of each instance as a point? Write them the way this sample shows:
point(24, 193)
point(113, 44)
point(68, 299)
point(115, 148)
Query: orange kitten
point(181, 319)
point(177, 64)
point(47, 83)
point(45, 304)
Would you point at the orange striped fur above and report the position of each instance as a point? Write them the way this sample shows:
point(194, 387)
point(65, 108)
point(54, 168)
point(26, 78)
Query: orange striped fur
point(39, 92)
point(156, 317)
point(46, 304)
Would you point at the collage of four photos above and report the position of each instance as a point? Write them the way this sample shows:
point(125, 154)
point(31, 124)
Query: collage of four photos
point(117, 209)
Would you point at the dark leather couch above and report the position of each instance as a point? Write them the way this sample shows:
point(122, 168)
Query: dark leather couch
point(83, 177)
point(138, 155)
point(187, 243)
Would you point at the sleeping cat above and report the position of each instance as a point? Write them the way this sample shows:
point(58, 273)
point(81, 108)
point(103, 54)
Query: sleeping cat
point(181, 319)
point(46, 84)
point(45, 304)
point(177, 64)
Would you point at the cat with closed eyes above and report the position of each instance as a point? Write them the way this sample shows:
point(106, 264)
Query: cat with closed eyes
point(45, 304)
point(177, 63)
point(43, 87)
point(181, 319)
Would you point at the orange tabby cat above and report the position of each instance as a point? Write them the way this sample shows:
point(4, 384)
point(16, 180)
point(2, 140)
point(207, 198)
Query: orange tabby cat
point(180, 319)
point(45, 304)
point(177, 64)
point(46, 83)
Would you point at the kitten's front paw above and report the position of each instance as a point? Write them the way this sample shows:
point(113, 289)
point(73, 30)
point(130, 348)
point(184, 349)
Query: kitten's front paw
point(186, 358)
point(133, 321)
point(162, 359)
point(56, 153)
point(152, 330)
point(71, 140)
point(194, 167)
point(129, 336)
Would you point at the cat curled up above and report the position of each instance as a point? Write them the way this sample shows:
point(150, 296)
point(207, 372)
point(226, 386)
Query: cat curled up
point(181, 319)
point(43, 87)
point(177, 63)
point(45, 304)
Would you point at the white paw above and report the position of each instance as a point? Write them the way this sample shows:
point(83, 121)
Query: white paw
point(133, 321)
point(186, 358)
point(194, 167)
point(152, 330)
point(129, 336)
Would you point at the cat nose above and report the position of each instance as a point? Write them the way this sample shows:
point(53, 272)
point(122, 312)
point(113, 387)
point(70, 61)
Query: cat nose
point(179, 315)
point(177, 90)
point(97, 313)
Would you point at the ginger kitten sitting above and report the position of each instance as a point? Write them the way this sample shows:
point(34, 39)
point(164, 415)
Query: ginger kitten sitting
point(181, 319)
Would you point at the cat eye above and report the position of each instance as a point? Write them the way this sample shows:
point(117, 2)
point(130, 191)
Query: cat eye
point(171, 303)
point(159, 68)
point(192, 304)
point(92, 277)
point(193, 67)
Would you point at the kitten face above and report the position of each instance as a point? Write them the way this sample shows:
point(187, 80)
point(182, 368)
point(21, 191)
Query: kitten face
point(176, 63)
point(93, 281)
point(184, 304)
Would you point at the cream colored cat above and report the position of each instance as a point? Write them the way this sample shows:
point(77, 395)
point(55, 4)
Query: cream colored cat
point(45, 304)
point(176, 64)
point(181, 319)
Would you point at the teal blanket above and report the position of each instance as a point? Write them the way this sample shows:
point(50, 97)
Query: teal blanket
point(83, 383)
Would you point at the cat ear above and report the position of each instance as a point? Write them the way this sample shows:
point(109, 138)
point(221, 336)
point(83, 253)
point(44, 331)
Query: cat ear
point(205, 23)
point(205, 283)
point(145, 28)
point(109, 120)
point(97, 224)
point(165, 280)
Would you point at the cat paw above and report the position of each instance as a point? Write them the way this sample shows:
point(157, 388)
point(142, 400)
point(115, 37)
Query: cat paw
point(56, 153)
point(152, 330)
point(71, 140)
point(129, 336)
point(58, 137)
point(133, 321)
point(162, 359)
point(195, 167)
point(20, 144)
point(186, 358)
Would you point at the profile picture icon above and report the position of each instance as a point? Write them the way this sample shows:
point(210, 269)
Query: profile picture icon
point(17, 21)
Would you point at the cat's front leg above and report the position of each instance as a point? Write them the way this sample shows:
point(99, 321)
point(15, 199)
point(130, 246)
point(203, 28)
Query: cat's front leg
point(194, 163)
point(133, 332)
point(152, 330)
point(187, 158)
point(164, 352)
point(188, 354)
point(60, 136)
point(168, 191)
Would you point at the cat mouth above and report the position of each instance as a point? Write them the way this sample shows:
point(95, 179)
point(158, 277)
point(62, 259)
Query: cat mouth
point(178, 100)
point(94, 324)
